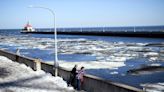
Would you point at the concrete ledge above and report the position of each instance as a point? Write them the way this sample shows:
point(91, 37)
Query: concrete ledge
point(9, 55)
point(102, 85)
point(64, 73)
point(47, 68)
point(33, 63)
point(91, 83)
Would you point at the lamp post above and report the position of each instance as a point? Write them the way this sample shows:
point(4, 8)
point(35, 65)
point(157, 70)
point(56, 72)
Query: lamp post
point(55, 36)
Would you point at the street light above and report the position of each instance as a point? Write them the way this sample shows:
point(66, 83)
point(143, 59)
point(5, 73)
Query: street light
point(55, 36)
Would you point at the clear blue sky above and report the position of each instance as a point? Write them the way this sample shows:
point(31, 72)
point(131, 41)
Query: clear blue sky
point(82, 13)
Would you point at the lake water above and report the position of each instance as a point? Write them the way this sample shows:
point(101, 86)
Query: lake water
point(108, 57)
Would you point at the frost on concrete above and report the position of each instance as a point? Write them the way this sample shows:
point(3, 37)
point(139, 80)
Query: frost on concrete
point(15, 77)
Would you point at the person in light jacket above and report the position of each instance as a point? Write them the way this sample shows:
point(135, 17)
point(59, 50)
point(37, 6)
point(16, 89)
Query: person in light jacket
point(79, 78)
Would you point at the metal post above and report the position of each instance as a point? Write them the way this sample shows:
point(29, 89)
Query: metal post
point(55, 38)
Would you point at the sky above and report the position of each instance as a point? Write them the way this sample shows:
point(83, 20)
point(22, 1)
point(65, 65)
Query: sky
point(81, 13)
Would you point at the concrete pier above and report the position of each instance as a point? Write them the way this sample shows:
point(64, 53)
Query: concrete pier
point(107, 33)
point(91, 83)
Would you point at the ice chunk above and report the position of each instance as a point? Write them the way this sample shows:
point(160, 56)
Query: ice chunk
point(153, 87)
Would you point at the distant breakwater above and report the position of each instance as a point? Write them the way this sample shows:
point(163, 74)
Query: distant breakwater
point(106, 33)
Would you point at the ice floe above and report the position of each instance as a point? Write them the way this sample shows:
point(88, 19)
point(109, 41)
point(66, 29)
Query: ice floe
point(92, 65)
point(153, 87)
point(103, 51)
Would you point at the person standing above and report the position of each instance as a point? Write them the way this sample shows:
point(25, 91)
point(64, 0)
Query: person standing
point(72, 79)
point(79, 78)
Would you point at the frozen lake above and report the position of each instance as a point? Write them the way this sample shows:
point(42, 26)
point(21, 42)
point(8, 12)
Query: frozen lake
point(107, 57)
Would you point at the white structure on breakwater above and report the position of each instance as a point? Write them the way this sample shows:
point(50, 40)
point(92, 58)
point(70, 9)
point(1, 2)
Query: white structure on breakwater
point(28, 28)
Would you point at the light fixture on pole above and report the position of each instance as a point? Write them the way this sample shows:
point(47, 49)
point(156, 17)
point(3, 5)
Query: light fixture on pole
point(55, 37)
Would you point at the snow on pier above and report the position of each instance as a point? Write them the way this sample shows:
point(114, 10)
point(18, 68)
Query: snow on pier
point(15, 77)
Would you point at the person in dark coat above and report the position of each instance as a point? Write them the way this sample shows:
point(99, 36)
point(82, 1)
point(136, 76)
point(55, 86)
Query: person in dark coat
point(72, 80)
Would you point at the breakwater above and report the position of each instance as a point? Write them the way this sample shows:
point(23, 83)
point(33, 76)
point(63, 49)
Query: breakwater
point(91, 83)
point(131, 31)
point(108, 33)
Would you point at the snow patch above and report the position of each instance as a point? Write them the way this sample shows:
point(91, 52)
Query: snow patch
point(23, 79)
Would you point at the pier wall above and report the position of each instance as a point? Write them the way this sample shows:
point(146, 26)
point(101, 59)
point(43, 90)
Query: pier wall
point(91, 83)
point(33, 63)
point(108, 33)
